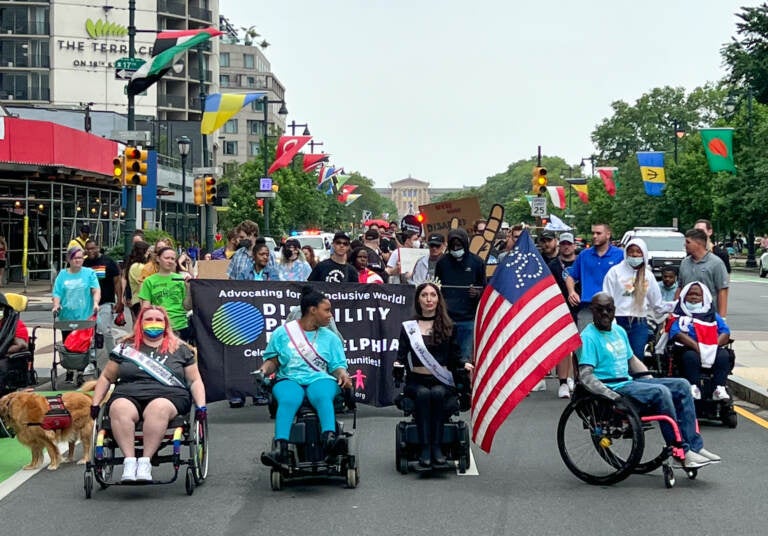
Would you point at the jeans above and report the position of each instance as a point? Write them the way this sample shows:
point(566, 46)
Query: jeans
point(637, 332)
point(290, 395)
point(672, 397)
point(465, 330)
point(105, 324)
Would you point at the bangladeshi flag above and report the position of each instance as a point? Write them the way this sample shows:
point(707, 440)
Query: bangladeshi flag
point(718, 144)
point(169, 46)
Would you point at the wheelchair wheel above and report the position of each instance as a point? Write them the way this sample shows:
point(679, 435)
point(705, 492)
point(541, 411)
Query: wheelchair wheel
point(652, 439)
point(198, 446)
point(276, 480)
point(189, 481)
point(669, 476)
point(401, 459)
point(54, 373)
point(353, 477)
point(88, 484)
point(597, 443)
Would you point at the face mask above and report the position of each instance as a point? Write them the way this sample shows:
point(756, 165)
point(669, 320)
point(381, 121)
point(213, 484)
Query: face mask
point(634, 262)
point(694, 307)
point(417, 243)
point(245, 243)
point(153, 329)
point(458, 253)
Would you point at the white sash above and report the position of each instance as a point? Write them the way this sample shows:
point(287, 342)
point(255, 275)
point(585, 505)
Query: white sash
point(428, 360)
point(305, 348)
point(154, 368)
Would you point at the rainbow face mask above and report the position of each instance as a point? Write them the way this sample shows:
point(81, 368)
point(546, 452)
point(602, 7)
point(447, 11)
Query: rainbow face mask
point(153, 329)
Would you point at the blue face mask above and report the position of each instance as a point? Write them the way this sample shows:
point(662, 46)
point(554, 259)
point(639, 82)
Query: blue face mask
point(634, 262)
point(694, 307)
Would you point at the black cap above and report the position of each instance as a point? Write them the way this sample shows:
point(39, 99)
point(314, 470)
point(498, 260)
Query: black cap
point(341, 235)
point(547, 235)
point(85, 229)
point(371, 234)
point(436, 239)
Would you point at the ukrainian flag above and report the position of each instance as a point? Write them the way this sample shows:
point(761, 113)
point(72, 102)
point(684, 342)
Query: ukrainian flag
point(652, 171)
point(220, 107)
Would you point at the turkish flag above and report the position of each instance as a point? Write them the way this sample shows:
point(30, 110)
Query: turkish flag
point(311, 161)
point(287, 147)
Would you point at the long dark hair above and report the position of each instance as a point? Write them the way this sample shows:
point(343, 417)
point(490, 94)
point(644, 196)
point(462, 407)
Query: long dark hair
point(442, 327)
point(310, 298)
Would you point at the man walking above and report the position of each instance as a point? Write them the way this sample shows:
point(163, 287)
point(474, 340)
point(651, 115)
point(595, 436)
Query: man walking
point(706, 267)
point(565, 258)
point(336, 269)
point(111, 284)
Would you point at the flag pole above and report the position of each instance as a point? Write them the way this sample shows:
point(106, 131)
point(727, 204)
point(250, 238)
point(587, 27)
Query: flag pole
point(209, 210)
point(130, 209)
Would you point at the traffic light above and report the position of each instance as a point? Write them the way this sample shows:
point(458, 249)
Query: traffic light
point(260, 206)
point(210, 189)
point(539, 180)
point(136, 166)
point(198, 192)
point(118, 173)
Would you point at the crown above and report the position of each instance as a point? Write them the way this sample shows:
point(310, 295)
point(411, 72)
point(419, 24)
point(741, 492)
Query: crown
point(432, 280)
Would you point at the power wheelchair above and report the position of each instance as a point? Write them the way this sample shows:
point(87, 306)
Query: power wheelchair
point(455, 442)
point(307, 456)
point(183, 432)
point(17, 370)
point(602, 442)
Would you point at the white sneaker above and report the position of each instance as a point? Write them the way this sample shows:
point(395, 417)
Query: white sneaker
point(714, 458)
point(89, 370)
point(694, 460)
point(129, 470)
point(144, 470)
point(720, 393)
point(563, 391)
point(571, 384)
point(541, 386)
point(695, 392)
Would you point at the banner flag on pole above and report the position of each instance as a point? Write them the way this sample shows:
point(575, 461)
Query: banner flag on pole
point(287, 147)
point(523, 328)
point(608, 174)
point(311, 161)
point(718, 144)
point(652, 170)
point(220, 107)
point(581, 187)
point(557, 196)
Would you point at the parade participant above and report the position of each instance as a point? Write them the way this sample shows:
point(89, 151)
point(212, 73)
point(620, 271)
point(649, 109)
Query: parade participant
point(512, 237)
point(226, 251)
point(336, 269)
point(133, 268)
point(668, 283)
point(358, 258)
point(371, 239)
point(605, 361)
point(309, 361)
point(81, 239)
point(168, 289)
point(425, 266)
point(695, 327)
point(154, 375)
point(427, 355)
point(548, 246)
point(309, 255)
point(705, 267)
point(566, 257)
point(151, 266)
point(292, 265)
point(241, 265)
point(706, 226)
point(394, 268)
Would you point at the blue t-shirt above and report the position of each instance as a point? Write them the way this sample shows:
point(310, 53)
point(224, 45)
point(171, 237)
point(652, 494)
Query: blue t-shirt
point(292, 364)
point(608, 352)
point(74, 293)
point(590, 269)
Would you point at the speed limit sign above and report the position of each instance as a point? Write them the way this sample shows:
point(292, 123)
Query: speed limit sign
point(539, 207)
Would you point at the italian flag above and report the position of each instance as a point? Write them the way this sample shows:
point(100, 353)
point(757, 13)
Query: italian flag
point(557, 195)
point(169, 47)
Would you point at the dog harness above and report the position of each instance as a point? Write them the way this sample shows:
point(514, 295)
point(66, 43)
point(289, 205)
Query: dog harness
point(57, 418)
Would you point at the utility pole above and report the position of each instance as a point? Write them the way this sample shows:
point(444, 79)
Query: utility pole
point(209, 210)
point(130, 209)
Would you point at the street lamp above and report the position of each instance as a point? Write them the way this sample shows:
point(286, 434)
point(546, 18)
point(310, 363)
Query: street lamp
point(591, 159)
point(184, 145)
point(294, 125)
point(282, 111)
point(312, 144)
point(566, 177)
point(679, 133)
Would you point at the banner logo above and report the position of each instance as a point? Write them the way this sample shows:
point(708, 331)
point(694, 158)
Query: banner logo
point(237, 323)
point(101, 28)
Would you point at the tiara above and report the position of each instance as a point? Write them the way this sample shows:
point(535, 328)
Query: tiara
point(432, 280)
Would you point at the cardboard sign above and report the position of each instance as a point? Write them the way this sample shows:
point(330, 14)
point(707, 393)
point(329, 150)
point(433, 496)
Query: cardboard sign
point(438, 216)
point(212, 269)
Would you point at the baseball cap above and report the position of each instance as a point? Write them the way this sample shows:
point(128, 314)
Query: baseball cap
point(504, 225)
point(436, 239)
point(546, 235)
point(371, 234)
point(341, 235)
point(567, 237)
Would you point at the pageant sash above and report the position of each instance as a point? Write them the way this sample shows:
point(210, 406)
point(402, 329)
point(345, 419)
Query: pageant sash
point(154, 368)
point(427, 359)
point(305, 348)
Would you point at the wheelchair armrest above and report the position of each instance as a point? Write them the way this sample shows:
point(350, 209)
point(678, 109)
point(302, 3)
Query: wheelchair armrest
point(349, 398)
point(24, 354)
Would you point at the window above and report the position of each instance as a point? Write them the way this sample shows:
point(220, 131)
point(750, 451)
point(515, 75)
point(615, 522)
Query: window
point(253, 148)
point(230, 148)
point(251, 81)
point(224, 80)
point(255, 128)
point(230, 127)
point(248, 61)
point(224, 59)
point(258, 106)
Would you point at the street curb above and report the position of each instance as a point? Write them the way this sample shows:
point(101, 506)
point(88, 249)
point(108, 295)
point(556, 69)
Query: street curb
point(749, 391)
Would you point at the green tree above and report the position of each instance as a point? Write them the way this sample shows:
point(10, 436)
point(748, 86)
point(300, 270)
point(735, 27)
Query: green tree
point(747, 53)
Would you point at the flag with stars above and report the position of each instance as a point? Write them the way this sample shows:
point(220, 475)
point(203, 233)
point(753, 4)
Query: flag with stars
point(522, 330)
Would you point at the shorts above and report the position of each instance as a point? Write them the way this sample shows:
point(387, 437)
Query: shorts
point(182, 403)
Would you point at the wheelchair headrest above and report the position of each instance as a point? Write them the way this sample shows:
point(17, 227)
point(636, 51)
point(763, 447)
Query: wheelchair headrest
point(13, 300)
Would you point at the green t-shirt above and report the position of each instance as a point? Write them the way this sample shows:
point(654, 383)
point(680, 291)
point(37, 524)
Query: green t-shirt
point(167, 291)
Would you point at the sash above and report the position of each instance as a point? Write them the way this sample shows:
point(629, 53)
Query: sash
point(305, 348)
point(427, 359)
point(154, 368)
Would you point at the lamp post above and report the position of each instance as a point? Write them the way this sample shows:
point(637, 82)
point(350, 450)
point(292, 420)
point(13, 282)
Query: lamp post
point(312, 144)
point(565, 177)
point(591, 159)
point(282, 111)
point(679, 133)
point(184, 146)
point(294, 125)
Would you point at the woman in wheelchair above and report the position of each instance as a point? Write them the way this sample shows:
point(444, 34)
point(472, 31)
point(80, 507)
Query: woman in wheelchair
point(155, 373)
point(700, 334)
point(309, 360)
point(429, 353)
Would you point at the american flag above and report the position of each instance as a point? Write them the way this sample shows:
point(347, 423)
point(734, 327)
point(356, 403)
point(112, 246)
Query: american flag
point(522, 330)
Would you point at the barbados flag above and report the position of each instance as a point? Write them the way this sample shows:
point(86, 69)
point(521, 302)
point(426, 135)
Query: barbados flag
point(220, 107)
point(652, 171)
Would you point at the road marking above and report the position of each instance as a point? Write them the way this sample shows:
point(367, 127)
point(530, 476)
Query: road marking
point(472, 471)
point(19, 477)
point(751, 416)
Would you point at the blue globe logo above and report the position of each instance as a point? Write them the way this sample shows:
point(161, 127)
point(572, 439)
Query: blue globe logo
point(237, 323)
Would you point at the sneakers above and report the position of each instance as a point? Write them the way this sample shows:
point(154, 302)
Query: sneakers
point(90, 370)
point(69, 377)
point(143, 470)
point(571, 384)
point(720, 393)
point(236, 402)
point(695, 392)
point(711, 456)
point(541, 386)
point(129, 470)
point(694, 460)
point(563, 391)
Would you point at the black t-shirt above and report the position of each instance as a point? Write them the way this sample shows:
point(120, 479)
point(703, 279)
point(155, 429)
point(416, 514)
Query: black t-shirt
point(720, 252)
point(106, 270)
point(333, 272)
point(557, 266)
point(374, 261)
point(133, 381)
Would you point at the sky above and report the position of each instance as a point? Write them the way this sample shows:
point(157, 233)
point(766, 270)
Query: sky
point(452, 92)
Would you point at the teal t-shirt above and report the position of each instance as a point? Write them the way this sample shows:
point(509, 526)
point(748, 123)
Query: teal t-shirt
point(292, 364)
point(74, 293)
point(167, 291)
point(608, 352)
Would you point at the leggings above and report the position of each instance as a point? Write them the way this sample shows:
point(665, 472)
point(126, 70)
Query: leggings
point(429, 395)
point(290, 395)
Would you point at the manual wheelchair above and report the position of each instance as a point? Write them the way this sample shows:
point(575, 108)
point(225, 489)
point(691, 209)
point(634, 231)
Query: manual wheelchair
point(307, 457)
point(17, 370)
point(455, 442)
point(183, 432)
point(602, 443)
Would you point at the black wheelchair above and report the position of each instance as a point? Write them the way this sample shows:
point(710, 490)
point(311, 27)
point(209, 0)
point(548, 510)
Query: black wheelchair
point(184, 435)
point(307, 456)
point(17, 370)
point(602, 443)
point(455, 442)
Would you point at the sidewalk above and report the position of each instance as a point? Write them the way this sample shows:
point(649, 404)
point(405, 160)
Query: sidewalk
point(38, 293)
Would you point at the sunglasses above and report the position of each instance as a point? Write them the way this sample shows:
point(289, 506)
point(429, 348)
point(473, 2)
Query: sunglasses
point(342, 243)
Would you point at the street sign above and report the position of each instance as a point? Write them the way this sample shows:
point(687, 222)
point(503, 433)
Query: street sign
point(216, 171)
point(136, 136)
point(123, 74)
point(269, 195)
point(265, 184)
point(539, 207)
point(129, 64)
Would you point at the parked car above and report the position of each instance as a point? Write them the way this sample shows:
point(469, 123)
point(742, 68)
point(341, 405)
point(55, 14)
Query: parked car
point(666, 246)
point(317, 243)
